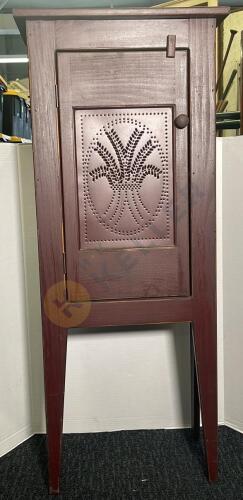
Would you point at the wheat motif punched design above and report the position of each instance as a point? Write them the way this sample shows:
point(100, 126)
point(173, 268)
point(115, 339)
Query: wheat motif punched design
point(126, 176)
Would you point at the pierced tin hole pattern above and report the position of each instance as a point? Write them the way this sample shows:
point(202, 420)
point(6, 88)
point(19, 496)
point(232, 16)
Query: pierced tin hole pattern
point(124, 170)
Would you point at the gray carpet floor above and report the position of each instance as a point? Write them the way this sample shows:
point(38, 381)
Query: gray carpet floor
point(149, 465)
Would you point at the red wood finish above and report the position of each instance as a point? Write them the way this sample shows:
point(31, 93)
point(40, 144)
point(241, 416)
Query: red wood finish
point(218, 13)
point(203, 229)
point(49, 216)
point(186, 292)
point(124, 235)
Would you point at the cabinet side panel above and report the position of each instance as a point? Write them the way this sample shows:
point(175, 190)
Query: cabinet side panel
point(41, 43)
point(203, 169)
point(41, 46)
point(203, 227)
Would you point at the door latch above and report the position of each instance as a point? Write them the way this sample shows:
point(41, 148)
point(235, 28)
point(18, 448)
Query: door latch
point(171, 46)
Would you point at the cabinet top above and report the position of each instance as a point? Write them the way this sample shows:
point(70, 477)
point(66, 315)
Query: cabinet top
point(155, 13)
point(22, 15)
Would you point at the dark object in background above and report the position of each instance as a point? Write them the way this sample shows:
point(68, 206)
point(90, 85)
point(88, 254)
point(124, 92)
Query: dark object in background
point(241, 83)
point(227, 121)
point(16, 116)
point(1, 111)
point(221, 103)
point(229, 84)
point(232, 35)
point(27, 132)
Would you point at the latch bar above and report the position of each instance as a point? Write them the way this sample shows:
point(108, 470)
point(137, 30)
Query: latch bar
point(171, 46)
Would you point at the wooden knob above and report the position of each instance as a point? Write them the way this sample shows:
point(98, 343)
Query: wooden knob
point(181, 121)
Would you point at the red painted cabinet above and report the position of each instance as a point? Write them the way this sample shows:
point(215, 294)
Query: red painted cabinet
point(124, 154)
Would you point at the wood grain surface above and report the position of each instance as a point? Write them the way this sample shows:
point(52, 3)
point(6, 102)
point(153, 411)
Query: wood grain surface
point(41, 43)
point(203, 227)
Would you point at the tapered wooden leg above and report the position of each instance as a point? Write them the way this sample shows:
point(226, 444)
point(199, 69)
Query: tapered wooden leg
point(195, 407)
point(205, 345)
point(54, 352)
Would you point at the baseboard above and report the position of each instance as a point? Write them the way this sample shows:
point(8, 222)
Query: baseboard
point(10, 442)
point(236, 426)
point(89, 425)
point(113, 425)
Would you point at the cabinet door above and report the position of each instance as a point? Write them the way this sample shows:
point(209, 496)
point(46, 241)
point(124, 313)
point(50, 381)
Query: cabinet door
point(125, 172)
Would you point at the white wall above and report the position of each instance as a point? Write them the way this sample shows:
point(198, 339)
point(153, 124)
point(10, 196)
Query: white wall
point(128, 380)
point(115, 379)
point(232, 152)
point(15, 407)
point(31, 271)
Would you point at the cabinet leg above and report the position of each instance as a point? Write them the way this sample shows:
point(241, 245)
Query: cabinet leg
point(54, 354)
point(205, 345)
point(195, 407)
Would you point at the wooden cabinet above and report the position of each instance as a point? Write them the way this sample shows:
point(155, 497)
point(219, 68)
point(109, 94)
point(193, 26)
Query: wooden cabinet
point(124, 153)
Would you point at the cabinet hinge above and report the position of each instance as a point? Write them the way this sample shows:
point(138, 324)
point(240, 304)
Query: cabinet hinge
point(64, 261)
point(56, 96)
point(64, 273)
point(64, 264)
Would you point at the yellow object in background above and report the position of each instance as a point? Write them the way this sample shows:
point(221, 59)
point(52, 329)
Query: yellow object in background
point(187, 3)
point(3, 84)
point(13, 139)
point(233, 21)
